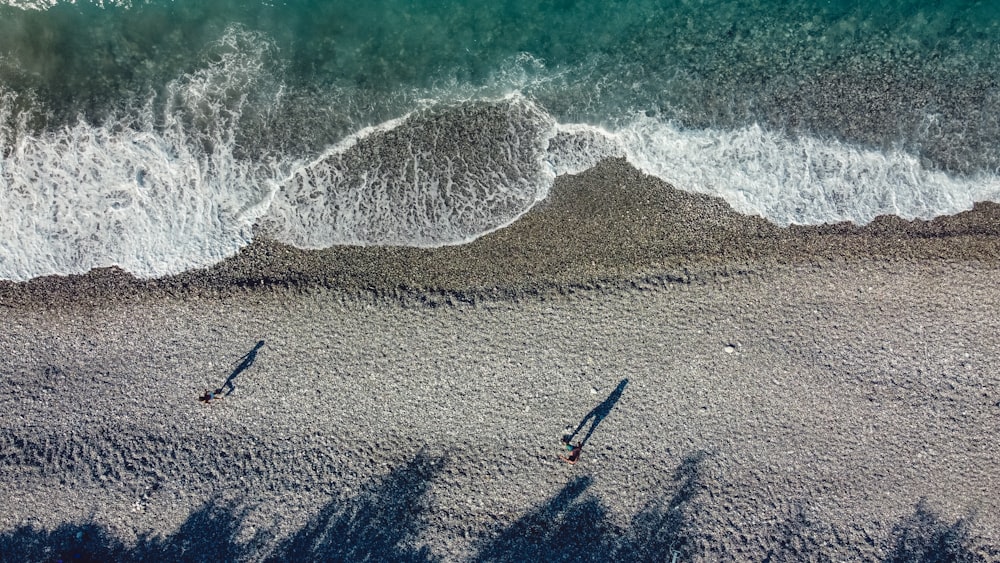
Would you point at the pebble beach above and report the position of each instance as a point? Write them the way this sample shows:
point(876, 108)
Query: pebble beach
point(804, 393)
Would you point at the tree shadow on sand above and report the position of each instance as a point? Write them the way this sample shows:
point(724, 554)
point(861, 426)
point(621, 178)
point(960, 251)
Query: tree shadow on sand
point(574, 526)
point(384, 522)
point(209, 534)
point(379, 526)
point(376, 526)
point(924, 537)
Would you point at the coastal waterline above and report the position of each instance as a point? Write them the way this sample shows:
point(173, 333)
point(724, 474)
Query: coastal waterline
point(156, 135)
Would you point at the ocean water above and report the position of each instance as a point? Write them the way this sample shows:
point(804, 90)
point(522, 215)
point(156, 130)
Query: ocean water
point(162, 136)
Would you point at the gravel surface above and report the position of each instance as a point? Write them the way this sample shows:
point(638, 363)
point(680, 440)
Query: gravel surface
point(828, 394)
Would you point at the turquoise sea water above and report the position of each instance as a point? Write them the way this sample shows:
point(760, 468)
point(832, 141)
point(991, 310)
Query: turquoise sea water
point(158, 135)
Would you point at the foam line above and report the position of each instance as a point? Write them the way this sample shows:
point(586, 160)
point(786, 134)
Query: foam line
point(788, 180)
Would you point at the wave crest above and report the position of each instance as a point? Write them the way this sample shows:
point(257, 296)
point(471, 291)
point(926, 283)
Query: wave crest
point(787, 180)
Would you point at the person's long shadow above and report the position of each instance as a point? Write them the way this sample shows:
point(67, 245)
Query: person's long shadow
point(245, 362)
point(597, 414)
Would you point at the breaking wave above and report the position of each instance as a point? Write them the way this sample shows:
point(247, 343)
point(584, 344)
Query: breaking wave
point(187, 177)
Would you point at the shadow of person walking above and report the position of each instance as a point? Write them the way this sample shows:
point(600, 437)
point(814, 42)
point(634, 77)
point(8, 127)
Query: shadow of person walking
point(596, 415)
point(245, 362)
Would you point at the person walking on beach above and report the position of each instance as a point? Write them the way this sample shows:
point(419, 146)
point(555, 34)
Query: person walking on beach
point(574, 454)
point(207, 397)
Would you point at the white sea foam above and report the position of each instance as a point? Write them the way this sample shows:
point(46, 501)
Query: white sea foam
point(434, 177)
point(800, 180)
point(46, 4)
point(153, 200)
point(158, 200)
point(575, 148)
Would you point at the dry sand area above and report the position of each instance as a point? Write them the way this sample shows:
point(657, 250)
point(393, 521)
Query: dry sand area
point(804, 394)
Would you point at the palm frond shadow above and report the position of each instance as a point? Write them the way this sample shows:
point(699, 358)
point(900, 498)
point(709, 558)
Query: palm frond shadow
point(208, 534)
point(574, 526)
point(384, 522)
point(378, 526)
point(924, 537)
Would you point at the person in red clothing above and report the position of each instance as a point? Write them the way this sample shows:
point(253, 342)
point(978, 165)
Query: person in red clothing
point(207, 397)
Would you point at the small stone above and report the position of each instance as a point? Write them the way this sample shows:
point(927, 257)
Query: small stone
point(593, 390)
point(730, 349)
